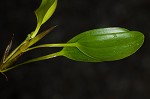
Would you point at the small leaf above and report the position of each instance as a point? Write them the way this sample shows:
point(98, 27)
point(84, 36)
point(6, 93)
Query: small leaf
point(43, 13)
point(40, 36)
point(106, 44)
point(7, 50)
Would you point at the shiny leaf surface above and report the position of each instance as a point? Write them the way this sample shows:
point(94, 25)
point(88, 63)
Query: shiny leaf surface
point(106, 44)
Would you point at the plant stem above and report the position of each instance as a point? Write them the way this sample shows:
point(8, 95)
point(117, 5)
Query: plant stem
point(34, 33)
point(34, 60)
point(15, 50)
point(52, 45)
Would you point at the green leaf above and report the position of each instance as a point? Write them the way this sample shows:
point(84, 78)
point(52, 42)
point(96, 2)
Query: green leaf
point(43, 13)
point(40, 36)
point(106, 44)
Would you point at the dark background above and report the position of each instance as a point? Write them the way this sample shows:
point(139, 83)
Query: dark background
point(62, 78)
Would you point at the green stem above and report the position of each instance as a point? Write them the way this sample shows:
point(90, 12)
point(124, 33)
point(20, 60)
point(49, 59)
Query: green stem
point(14, 51)
point(15, 54)
point(52, 45)
point(35, 59)
point(34, 33)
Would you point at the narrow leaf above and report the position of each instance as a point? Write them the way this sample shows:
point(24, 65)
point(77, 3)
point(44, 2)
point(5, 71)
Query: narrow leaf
point(7, 50)
point(40, 36)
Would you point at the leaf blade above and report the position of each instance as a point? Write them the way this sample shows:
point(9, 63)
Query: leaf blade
point(43, 13)
point(8, 48)
point(102, 45)
point(40, 36)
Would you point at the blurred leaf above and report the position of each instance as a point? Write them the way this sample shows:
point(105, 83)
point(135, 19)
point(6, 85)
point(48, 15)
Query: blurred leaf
point(7, 50)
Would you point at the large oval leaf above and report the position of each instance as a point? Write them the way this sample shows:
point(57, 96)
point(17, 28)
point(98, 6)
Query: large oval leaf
point(106, 44)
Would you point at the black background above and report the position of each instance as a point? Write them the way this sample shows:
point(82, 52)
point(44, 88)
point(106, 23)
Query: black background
point(62, 78)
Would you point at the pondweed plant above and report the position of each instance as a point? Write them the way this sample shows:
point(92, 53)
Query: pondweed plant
point(97, 45)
